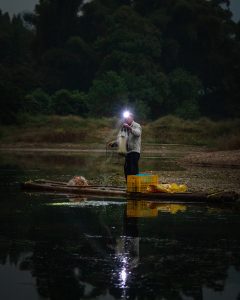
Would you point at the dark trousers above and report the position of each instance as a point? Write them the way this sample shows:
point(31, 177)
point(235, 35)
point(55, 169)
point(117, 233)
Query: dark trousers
point(131, 164)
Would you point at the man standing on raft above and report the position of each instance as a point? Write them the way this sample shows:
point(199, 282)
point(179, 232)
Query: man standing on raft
point(133, 133)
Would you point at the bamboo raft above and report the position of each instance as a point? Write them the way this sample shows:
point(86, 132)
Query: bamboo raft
point(120, 192)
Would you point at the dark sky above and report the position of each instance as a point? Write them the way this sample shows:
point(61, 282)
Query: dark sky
point(17, 6)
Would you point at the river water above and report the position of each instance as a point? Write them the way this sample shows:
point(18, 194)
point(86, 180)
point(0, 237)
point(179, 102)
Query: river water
point(68, 247)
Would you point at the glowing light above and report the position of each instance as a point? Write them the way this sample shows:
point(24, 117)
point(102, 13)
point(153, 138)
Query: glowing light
point(126, 114)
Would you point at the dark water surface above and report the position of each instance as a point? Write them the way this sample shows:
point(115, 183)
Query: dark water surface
point(64, 247)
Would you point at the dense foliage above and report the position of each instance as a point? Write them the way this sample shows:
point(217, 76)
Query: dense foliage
point(91, 58)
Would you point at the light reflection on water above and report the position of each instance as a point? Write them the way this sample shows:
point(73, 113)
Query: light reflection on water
point(59, 247)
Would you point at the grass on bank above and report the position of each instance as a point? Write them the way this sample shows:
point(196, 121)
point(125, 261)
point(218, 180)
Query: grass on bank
point(222, 135)
point(57, 130)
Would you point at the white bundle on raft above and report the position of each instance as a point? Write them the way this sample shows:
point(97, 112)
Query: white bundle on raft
point(78, 181)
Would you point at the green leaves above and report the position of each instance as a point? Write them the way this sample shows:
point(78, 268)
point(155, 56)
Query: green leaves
point(132, 43)
point(185, 91)
point(69, 103)
point(158, 57)
point(38, 102)
point(107, 94)
point(62, 102)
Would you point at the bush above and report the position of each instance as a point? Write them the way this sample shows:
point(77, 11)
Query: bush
point(38, 102)
point(65, 102)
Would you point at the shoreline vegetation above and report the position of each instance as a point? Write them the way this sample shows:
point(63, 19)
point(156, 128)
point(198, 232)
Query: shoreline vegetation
point(74, 131)
point(216, 142)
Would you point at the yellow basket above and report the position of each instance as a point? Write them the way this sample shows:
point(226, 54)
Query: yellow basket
point(139, 183)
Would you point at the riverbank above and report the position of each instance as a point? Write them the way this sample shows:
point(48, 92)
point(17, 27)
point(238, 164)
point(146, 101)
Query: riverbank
point(77, 132)
point(214, 158)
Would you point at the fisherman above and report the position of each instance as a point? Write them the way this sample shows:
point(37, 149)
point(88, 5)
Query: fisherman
point(133, 132)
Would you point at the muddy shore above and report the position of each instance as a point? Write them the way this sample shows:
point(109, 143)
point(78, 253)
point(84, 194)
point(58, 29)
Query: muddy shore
point(214, 158)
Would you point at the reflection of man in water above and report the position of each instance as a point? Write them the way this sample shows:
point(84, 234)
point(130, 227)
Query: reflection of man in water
point(132, 239)
point(128, 254)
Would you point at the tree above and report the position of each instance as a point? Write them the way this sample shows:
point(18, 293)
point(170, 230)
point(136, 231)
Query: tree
point(149, 91)
point(159, 56)
point(185, 91)
point(54, 21)
point(107, 94)
point(132, 44)
point(65, 102)
point(38, 102)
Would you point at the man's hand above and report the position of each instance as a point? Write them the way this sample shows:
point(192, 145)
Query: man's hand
point(127, 126)
point(112, 144)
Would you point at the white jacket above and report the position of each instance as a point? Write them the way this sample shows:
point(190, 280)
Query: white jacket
point(133, 137)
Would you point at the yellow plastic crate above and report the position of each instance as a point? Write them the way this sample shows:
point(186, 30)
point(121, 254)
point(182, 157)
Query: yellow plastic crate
point(139, 183)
